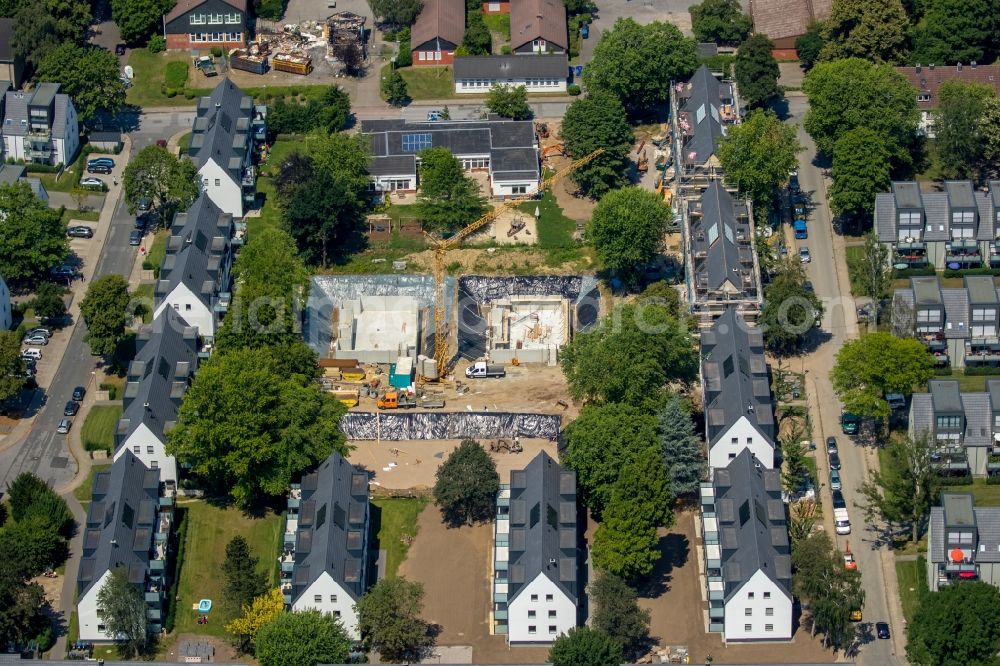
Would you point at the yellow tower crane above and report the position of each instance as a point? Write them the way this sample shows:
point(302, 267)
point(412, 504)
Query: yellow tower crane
point(441, 247)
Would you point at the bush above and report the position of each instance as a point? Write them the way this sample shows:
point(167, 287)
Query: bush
point(272, 10)
point(943, 371)
point(505, 49)
point(981, 370)
point(40, 168)
point(111, 389)
point(913, 272)
point(175, 75)
point(179, 537)
point(573, 89)
point(956, 481)
point(156, 44)
point(405, 57)
point(970, 271)
point(216, 51)
point(993, 480)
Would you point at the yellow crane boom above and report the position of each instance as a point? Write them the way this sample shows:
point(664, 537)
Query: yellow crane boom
point(441, 247)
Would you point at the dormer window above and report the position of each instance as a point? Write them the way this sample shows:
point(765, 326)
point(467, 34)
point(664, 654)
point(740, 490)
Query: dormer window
point(948, 422)
point(912, 219)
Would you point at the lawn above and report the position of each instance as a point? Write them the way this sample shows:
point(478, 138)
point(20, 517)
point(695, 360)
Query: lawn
point(80, 215)
point(145, 294)
point(270, 213)
point(394, 519)
point(423, 83)
point(854, 255)
point(98, 430)
point(555, 230)
point(209, 529)
point(912, 578)
point(63, 184)
point(150, 77)
point(970, 384)
point(184, 143)
point(158, 248)
point(82, 493)
point(932, 167)
point(498, 23)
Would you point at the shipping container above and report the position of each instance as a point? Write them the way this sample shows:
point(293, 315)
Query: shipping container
point(284, 62)
point(248, 63)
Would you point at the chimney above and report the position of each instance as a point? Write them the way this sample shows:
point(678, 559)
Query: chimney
point(959, 65)
point(973, 64)
point(932, 67)
point(918, 68)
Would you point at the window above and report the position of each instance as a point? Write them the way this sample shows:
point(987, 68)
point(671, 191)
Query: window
point(924, 97)
point(154, 464)
point(767, 595)
point(734, 440)
point(218, 182)
point(149, 449)
point(414, 143)
point(749, 595)
point(749, 440)
point(552, 628)
point(552, 614)
point(769, 611)
point(336, 613)
point(531, 614)
point(534, 597)
point(949, 423)
point(318, 598)
point(532, 629)
point(205, 182)
point(187, 307)
point(768, 627)
point(135, 450)
point(177, 307)
point(101, 628)
point(215, 18)
point(519, 189)
point(732, 456)
point(216, 36)
point(437, 55)
point(333, 598)
point(422, 55)
point(548, 597)
point(197, 19)
point(747, 627)
point(232, 18)
point(748, 612)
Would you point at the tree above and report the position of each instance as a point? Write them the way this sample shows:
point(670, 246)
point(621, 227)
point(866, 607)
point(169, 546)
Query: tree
point(874, 274)
point(757, 71)
point(683, 451)
point(477, 36)
point(847, 94)
point(583, 646)
point(22, 606)
point(324, 217)
point(88, 74)
point(956, 626)
point(467, 485)
point(255, 615)
point(302, 638)
point(394, 89)
point(32, 236)
point(44, 24)
point(600, 443)
point(598, 121)
point(104, 311)
point(34, 544)
point(29, 496)
point(793, 457)
point(636, 63)
point(269, 264)
point(509, 102)
point(616, 612)
point(292, 173)
point(876, 364)
point(630, 357)
point(792, 309)
point(123, 611)
point(351, 57)
point(346, 156)
point(48, 302)
point(448, 199)
point(11, 365)
point(171, 183)
point(328, 112)
point(720, 21)
point(904, 489)
point(244, 581)
point(810, 45)
point(248, 424)
point(831, 591)
point(989, 132)
point(389, 619)
point(957, 121)
point(875, 31)
point(627, 229)
point(801, 520)
point(396, 13)
point(861, 169)
point(138, 19)
point(758, 154)
point(953, 31)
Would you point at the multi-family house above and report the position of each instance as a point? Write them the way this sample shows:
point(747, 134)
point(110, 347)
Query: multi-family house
point(963, 428)
point(127, 528)
point(505, 149)
point(737, 392)
point(963, 542)
point(165, 361)
point(6, 314)
point(722, 269)
point(39, 125)
point(928, 79)
point(324, 565)
point(195, 275)
point(537, 584)
point(537, 73)
point(538, 26)
point(194, 24)
point(437, 32)
point(703, 107)
point(955, 228)
point(747, 556)
point(225, 136)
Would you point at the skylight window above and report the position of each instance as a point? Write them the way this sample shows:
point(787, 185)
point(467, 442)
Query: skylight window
point(414, 143)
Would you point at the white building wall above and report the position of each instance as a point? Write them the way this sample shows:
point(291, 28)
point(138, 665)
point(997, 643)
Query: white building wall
point(86, 611)
point(749, 607)
point(333, 599)
point(13, 147)
point(6, 315)
point(532, 85)
point(189, 306)
point(534, 597)
point(747, 436)
point(65, 149)
point(220, 187)
point(148, 448)
point(505, 189)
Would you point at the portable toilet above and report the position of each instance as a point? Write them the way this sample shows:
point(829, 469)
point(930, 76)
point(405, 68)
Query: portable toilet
point(401, 372)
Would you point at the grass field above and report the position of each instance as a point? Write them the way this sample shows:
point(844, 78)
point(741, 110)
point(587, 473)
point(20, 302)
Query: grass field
point(150, 72)
point(555, 230)
point(392, 519)
point(970, 384)
point(184, 143)
point(498, 23)
point(145, 293)
point(426, 82)
point(83, 493)
point(270, 213)
point(209, 529)
point(80, 215)
point(912, 578)
point(158, 248)
point(99, 428)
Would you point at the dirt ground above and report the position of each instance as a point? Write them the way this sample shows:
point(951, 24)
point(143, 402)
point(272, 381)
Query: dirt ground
point(224, 651)
point(674, 593)
point(448, 560)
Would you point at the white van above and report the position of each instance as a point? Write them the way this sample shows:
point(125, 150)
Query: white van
point(33, 354)
point(841, 521)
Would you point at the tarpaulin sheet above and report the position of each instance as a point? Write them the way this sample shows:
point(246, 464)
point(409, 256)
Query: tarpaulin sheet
point(449, 425)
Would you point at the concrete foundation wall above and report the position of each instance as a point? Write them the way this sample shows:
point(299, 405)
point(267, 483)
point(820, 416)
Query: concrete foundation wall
point(537, 355)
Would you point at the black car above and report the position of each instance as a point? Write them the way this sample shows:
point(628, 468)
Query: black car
point(80, 231)
point(140, 222)
point(882, 630)
point(98, 168)
point(838, 500)
point(72, 407)
point(120, 49)
point(834, 461)
point(78, 393)
point(135, 238)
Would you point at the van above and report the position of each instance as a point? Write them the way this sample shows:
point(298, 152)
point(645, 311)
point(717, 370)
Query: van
point(896, 401)
point(849, 423)
point(31, 354)
point(841, 521)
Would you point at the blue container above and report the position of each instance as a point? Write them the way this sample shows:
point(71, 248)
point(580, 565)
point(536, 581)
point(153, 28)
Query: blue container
point(578, 70)
point(585, 31)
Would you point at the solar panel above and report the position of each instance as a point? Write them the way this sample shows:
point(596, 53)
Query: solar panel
point(414, 143)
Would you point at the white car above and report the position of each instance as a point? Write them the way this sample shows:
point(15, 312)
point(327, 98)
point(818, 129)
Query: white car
point(804, 255)
point(90, 181)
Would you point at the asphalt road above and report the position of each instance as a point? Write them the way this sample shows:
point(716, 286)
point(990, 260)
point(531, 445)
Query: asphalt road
point(43, 451)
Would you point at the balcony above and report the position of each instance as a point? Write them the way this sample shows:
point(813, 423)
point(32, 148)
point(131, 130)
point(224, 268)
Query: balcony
point(951, 461)
point(38, 154)
point(912, 254)
point(993, 464)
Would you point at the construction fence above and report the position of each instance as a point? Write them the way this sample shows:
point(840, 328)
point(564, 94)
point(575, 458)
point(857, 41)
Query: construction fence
point(449, 425)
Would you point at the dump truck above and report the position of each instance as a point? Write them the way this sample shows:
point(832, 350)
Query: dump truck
point(482, 369)
point(286, 62)
point(239, 59)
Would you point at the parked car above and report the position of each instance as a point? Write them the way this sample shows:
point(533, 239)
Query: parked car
point(78, 393)
point(144, 204)
point(831, 444)
point(838, 500)
point(30, 354)
point(36, 340)
point(135, 238)
point(119, 49)
point(64, 426)
point(92, 182)
point(41, 330)
point(101, 160)
point(804, 255)
point(80, 231)
point(835, 482)
point(882, 630)
point(834, 461)
point(64, 271)
point(72, 407)
point(140, 222)
point(896, 401)
point(99, 168)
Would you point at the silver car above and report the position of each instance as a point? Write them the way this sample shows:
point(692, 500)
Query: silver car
point(36, 340)
point(804, 255)
point(64, 426)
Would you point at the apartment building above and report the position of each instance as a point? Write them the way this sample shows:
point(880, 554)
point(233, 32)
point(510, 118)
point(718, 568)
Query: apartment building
point(963, 428)
point(963, 542)
point(39, 125)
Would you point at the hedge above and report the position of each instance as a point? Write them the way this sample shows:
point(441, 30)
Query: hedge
point(993, 480)
point(970, 271)
point(179, 537)
point(914, 272)
point(945, 371)
point(982, 370)
point(955, 481)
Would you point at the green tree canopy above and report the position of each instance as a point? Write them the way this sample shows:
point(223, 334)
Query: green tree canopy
point(792, 309)
point(124, 611)
point(683, 451)
point(957, 626)
point(346, 156)
point(630, 357)
point(831, 591)
point(720, 21)
point(302, 638)
point(598, 121)
point(876, 364)
point(617, 613)
point(989, 133)
point(758, 154)
point(636, 63)
point(88, 74)
point(244, 580)
point(810, 45)
point(957, 123)
point(394, 89)
point(873, 271)
point(29, 496)
point(32, 236)
point(509, 102)
point(49, 303)
point(23, 606)
point(247, 425)
point(34, 544)
point(583, 646)
point(42, 25)
point(389, 619)
point(138, 19)
point(448, 199)
point(104, 309)
point(467, 485)
point(171, 183)
point(861, 169)
point(952, 31)
point(757, 71)
point(11, 365)
point(875, 31)
point(398, 13)
point(477, 39)
point(904, 489)
point(627, 229)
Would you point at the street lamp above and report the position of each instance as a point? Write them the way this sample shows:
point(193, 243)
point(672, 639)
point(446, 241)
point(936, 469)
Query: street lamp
point(393, 60)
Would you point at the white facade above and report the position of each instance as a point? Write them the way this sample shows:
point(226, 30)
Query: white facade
point(6, 315)
point(741, 435)
point(148, 448)
point(220, 187)
point(62, 149)
point(327, 596)
point(759, 611)
point(531, 85)
point(394, 182)
point(540, 613)
point(190, 306)
point(91, 628)
point(513, 189)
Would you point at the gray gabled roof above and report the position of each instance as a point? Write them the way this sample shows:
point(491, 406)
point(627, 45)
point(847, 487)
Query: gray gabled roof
point(753, 534)
point(702, 110)
point(944, 397)
point(734, 373)
point(197, 250)
point(936, 207)
point(333, 524)
point(16, 103)
point(165, 360)
point(222, 129)
point(959, 510)
point(543, 527)
point(721, 244)
point(515, 67)
point(121, 522)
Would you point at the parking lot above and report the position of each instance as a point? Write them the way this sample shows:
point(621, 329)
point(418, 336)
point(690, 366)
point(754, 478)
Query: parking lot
point(642, 11)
